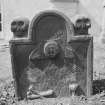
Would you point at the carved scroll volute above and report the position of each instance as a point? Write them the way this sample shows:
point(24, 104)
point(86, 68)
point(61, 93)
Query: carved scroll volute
point(19, 27)
point(81, 25)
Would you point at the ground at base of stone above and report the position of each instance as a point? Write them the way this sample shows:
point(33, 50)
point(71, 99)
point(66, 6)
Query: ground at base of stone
point(61, 101)
point(7, 97)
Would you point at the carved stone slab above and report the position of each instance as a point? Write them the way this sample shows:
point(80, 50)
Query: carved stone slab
point(52, 57)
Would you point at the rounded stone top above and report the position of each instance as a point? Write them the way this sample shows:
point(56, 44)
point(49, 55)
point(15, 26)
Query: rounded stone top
point(45, 24)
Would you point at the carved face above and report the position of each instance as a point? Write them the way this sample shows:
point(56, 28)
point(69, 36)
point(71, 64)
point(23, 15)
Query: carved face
point(51, 49)
point(20, 25)
point(83, 23)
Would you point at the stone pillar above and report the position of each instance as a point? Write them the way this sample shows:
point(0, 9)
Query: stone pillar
point(103, 25)
point(1, 11)
point(6, 18)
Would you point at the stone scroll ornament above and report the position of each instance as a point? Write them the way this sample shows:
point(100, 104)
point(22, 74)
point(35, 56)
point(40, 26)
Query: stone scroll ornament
point(52, 66)
point(19, 27)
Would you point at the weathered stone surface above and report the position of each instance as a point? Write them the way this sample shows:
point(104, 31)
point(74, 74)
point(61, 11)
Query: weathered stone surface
point(71, 60)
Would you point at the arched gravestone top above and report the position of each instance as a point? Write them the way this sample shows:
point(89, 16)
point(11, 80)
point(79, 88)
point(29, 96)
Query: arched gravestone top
point(47, 24)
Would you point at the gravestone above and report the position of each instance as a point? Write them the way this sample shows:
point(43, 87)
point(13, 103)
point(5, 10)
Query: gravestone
point(52, 57)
